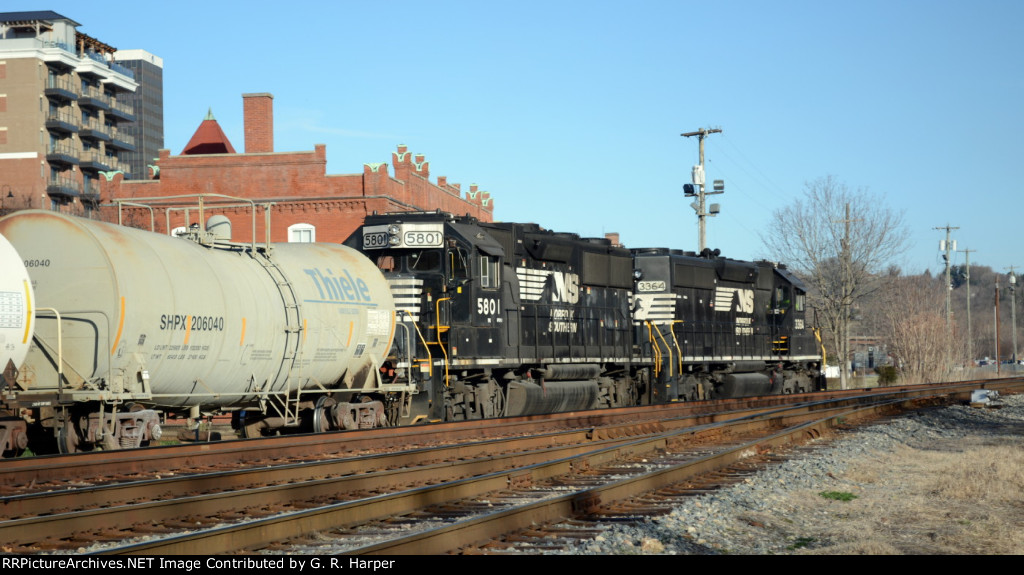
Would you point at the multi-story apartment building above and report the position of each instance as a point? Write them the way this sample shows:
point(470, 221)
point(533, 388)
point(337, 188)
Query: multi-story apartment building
point(147, 104)
point(63, 113)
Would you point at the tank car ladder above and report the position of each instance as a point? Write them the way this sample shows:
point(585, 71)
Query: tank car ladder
point(293, 341)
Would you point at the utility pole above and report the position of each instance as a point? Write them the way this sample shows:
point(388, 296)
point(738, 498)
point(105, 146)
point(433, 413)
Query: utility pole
point(1013, 314)
point(997, 325)
point(845, 257)
point(698, 181)
point(970, 340)
point(947, 246)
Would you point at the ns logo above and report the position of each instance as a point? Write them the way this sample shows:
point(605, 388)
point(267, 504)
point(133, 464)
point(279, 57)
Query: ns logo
point(566, 287)
point(534, 284)
point(727, 299)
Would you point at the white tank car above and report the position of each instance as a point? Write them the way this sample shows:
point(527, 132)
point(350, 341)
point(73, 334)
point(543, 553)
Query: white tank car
point(169, 323)
point(16, 313)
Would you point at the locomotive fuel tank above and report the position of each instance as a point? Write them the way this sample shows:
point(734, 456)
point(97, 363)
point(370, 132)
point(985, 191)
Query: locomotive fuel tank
point(16, 312)
point(173, 323)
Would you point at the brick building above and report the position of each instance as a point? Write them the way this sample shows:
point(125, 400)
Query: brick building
point(307, 203)
point(65, 113)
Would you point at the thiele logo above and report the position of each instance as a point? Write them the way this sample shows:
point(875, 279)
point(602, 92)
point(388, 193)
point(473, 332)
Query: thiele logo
point(339, 288)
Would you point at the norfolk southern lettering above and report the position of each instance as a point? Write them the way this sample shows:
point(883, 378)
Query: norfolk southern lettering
point(342, 288)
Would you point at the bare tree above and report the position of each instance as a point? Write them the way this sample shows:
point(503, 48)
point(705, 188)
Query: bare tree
point(917, 337)
point(839, 241)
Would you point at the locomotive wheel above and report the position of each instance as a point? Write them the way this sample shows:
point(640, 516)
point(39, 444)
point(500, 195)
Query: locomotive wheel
point(322, 418)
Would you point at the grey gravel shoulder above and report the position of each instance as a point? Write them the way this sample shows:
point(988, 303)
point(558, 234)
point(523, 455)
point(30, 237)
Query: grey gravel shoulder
point(708, 524)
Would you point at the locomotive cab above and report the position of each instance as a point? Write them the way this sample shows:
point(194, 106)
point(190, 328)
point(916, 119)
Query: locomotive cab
point(508, 319)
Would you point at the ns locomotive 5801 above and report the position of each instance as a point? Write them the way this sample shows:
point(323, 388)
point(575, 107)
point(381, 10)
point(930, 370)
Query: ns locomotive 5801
point(511, 319)
point(130, 322)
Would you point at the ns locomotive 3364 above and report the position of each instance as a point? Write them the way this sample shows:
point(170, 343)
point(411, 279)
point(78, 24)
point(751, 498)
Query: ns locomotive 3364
point(511, 319)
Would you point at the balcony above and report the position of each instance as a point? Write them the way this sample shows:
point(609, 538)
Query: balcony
point(60, 88)
point(122, 142)
point(94, 130)
point(63, 188)
point(94, 160)
point(62, 153)
point(93, 98)
point(121, 111)
point(91, 192)
point(61, 121)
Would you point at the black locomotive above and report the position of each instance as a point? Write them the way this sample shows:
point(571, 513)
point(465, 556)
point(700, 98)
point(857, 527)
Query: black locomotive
point(505, 319)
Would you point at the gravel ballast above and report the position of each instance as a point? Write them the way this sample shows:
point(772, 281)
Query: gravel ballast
point(859, 484)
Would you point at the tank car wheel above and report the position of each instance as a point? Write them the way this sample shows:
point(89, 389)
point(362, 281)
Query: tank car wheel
point(322, 420)
point(67, 441)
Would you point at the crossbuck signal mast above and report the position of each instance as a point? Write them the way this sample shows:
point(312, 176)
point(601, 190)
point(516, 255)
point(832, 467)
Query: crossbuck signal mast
point(697, 187)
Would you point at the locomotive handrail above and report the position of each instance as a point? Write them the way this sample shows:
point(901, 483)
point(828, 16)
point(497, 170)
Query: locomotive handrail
point(675, 342)
point(426, 346)
point(437, 324)
point(655, 348)
point(668, 350)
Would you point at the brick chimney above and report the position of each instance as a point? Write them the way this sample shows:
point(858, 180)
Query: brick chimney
point(259, 122)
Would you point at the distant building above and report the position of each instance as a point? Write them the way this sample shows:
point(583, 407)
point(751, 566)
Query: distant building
point(307, 203)
point(147, 104)
point(64, 113)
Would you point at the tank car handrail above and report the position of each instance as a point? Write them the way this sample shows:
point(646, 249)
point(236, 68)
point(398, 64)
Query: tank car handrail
point(60, 348)
point(67, 313)
point(200, 198)
point(152, 216)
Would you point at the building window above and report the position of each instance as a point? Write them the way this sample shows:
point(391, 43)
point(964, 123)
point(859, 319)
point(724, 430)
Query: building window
point(301, 233)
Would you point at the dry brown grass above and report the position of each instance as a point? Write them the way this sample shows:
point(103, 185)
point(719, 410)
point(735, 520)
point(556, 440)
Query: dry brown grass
point(963, 497)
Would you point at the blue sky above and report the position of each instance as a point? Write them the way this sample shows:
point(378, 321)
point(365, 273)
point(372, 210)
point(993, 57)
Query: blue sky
point(570, 113)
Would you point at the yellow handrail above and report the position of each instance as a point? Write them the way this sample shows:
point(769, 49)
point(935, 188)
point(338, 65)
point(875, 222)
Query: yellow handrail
point(438, 326)
point(655, 347)
point(668, 350)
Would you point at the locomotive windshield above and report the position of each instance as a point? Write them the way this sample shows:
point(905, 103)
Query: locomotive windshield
point(423, 260)
point(414, 261)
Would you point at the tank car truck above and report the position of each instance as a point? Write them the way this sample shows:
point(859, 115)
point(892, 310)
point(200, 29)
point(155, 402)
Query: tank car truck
point(131, 325)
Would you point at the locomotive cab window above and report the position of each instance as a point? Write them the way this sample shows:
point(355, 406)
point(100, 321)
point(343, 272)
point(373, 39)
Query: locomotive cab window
point(423, 260)
point(386, 263)
point(489, 272)
point(798, 300)
point(458, 267)
point(782, 297)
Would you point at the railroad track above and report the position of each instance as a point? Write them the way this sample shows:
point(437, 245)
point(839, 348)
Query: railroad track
point(455, 495)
